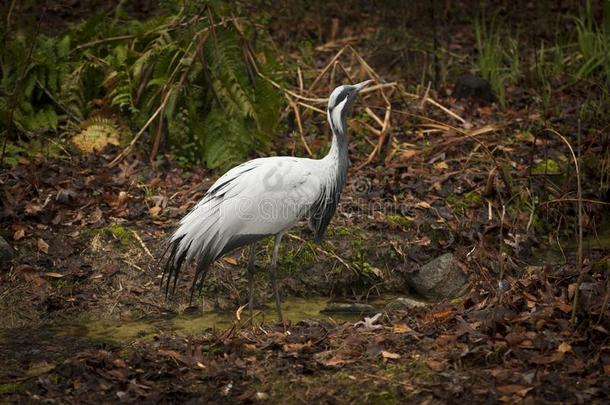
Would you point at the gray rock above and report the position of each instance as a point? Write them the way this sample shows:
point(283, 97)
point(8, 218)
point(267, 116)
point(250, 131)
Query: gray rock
point(6, 254)
point(405, 303)
point(348, 308)
point(438, 279)
point(475, 88)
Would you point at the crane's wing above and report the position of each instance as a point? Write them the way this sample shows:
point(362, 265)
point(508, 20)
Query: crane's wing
point(259, 198)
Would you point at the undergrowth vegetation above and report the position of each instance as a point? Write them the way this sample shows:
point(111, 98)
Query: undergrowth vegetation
point(581, 57)
point(191, 76)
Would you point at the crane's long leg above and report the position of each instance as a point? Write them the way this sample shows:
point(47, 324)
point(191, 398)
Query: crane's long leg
point(276, 248)
point(251, 261)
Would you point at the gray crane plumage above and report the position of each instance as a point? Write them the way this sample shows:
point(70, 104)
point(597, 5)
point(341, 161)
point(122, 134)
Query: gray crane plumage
point(264, 197)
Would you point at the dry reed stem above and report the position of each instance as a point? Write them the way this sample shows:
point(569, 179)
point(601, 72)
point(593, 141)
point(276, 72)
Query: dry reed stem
point(339, 42)
point(300, 78)
point(579, 253)
point(291, 93)
point(312, 108)
point(425, 97)
point(297, 117)
point(374, 116)
point(571, 200)
point(328, 66)
point(445, 109)
point(373, 130)
point(382, 136)
point(349, 76)
point(332, 75)
point(435, 103)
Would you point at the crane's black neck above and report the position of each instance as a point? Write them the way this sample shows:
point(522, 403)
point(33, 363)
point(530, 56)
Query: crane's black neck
point(338, 153)
point(334, 167)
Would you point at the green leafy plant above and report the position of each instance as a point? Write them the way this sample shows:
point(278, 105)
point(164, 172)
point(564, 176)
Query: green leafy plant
point(593, 42)
point(498, 60)
point(30, 100)
point(191, 78)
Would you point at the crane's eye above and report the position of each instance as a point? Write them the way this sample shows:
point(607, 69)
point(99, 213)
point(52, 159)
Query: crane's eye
point(342, 96)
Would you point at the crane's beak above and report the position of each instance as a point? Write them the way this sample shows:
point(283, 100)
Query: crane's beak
point(362, 85)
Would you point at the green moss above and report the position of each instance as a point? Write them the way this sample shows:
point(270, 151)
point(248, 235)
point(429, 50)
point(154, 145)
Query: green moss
point(548, 166)
point(293, 257)
point(343, 230)
point(383, 397)
point(37, 369)
point(399, 220)
point(497, 355)
point(420, 370)
point(123, 234)
point(11, 388)
point(602, 266)
point(294, 309)
point(118, 232)
point(472, 199)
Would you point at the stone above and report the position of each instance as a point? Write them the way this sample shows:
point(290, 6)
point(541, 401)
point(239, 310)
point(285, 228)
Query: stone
point(6, 254)
point(474, 88)
point(405, 303)
point(441, 278)
point(348, 308)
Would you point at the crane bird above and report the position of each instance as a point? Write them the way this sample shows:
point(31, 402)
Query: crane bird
point(264, 197)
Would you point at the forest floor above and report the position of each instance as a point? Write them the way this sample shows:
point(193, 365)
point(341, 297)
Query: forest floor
point(84, 319)
point(88, 241)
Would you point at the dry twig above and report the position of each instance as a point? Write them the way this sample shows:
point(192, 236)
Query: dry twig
point(579, 262)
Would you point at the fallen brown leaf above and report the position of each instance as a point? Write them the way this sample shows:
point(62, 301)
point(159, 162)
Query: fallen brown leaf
point(435, 365)
point(541, 359)
point(335, 361)
point(19, 233)
point(401, 328)
point(230, 260)
point(32, 208)
point(564, 347)
point(564, 306)
point(328, 359)
point(514, 339)
point(424, 241)
point(66, 196)
point(42, 246)
point(422, 204)
point(443, 313)
point(441, 166)
point(407, 154)
point(390, 355)
point(174, 355)
point(295, 347)
point(96, 216)
point(513, 389)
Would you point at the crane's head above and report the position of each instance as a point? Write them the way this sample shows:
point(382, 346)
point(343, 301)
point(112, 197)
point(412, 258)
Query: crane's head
point(344, 96)
point(340, 104)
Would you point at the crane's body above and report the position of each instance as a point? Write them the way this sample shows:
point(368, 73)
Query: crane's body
point(265, 197)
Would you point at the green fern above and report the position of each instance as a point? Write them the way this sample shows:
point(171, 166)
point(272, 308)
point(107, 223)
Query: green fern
point(215, 108)
point(41, 82)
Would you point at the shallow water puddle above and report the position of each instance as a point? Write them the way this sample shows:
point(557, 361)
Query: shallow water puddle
point(122, 332)
point(25, 351)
